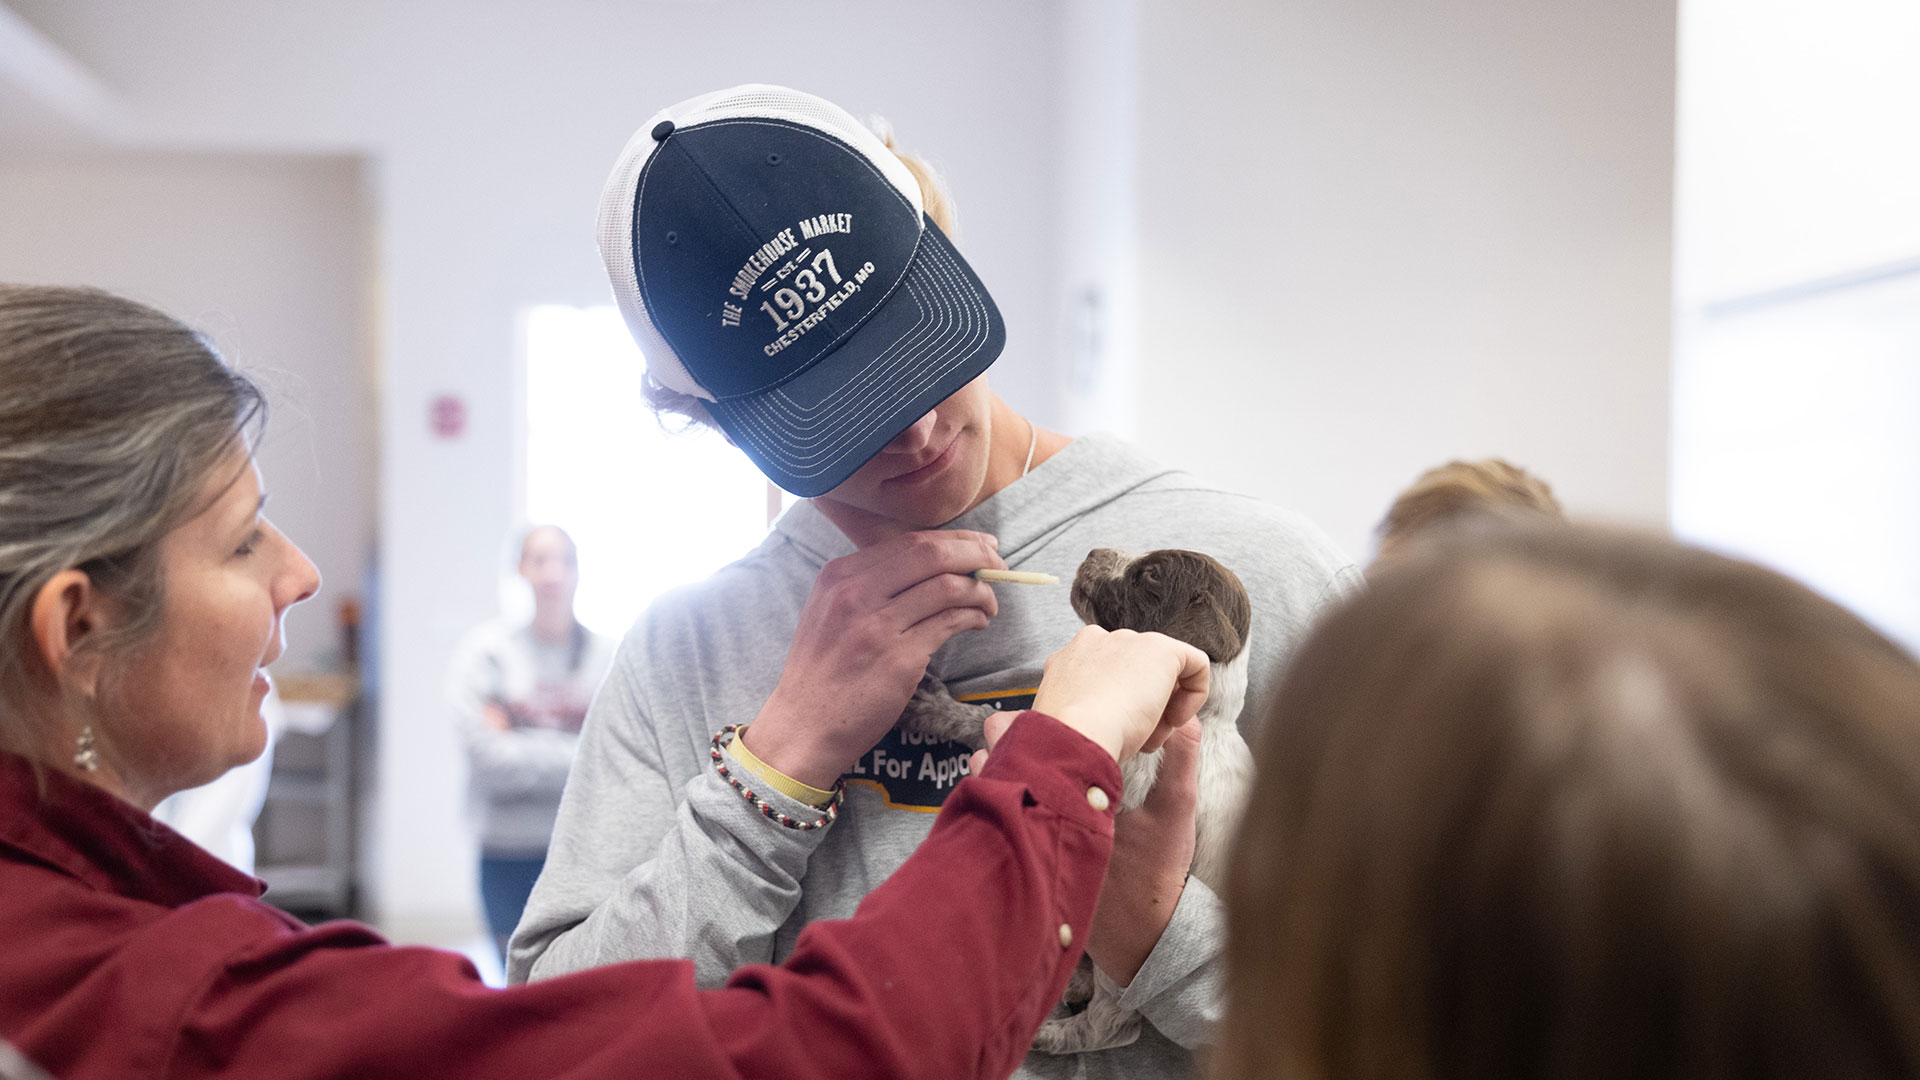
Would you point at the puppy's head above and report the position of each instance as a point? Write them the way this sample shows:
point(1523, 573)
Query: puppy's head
point(1182, 594)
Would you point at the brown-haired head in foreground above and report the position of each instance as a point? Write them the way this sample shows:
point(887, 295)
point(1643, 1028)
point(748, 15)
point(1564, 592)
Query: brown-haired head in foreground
point(1459, 490)
point(1563, 803)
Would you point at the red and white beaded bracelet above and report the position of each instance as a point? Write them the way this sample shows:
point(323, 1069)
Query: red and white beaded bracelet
point(831, 811)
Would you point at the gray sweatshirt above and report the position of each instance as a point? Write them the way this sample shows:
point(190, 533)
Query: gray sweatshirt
point(515, 777)
point(655, 856)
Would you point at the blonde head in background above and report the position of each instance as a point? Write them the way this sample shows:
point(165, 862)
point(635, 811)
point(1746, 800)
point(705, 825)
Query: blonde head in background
point(1459, 490)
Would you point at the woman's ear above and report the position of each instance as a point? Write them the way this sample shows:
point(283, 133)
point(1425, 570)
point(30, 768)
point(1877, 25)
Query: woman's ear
point(67, 614)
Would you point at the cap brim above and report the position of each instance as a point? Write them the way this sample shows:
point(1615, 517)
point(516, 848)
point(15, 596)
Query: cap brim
point(937, 332)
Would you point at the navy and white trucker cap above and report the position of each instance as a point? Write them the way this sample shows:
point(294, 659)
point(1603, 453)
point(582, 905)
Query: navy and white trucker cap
point(772, 258)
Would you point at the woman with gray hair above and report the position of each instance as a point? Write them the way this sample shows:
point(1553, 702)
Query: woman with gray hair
point(141, 598)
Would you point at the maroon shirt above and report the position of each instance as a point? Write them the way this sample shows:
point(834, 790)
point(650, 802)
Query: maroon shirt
point(126, 951)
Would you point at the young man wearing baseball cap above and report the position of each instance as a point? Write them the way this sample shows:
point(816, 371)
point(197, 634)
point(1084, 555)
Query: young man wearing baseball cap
point(789, 281)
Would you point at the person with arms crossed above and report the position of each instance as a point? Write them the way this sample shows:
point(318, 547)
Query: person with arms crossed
point(790, 280)
point(519, 692)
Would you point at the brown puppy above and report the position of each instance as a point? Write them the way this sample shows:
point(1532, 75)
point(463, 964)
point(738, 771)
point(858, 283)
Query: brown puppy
point(1190, 596)
point(1185, 595)
point(1182, 594)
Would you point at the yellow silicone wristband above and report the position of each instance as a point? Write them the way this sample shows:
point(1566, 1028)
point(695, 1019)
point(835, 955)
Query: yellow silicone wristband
point(774, 778)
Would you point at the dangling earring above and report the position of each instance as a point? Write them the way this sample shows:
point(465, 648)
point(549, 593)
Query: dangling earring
point(85, 756)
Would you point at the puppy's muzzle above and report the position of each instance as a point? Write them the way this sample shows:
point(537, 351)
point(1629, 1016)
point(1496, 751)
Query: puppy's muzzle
point(1092, 594)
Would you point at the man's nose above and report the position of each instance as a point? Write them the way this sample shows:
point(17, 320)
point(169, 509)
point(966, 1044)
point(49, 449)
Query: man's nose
point(915, 438)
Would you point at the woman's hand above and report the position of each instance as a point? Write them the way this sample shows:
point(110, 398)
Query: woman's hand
point(869, 626)
point(1124, 690)
point(995, 726)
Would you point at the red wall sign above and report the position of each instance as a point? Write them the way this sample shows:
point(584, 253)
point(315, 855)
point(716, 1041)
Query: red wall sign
point(447, 416)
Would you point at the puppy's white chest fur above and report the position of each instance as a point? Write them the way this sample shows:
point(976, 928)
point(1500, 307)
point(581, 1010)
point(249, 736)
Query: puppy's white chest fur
point(1225, 771)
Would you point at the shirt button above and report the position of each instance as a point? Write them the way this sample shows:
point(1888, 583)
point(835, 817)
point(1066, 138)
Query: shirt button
point(1097, 798)
point(1066, 935)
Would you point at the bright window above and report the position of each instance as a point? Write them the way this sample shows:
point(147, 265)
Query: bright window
point(1797, 369)
point(1797, 443)
point(650, 509)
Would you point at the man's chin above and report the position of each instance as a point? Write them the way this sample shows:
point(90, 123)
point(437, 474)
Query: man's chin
point(929, 509)
point(935, 512)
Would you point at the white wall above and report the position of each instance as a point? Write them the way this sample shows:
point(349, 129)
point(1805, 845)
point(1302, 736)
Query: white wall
point(1098, 365)
point(1375, 236)
point(269, 256)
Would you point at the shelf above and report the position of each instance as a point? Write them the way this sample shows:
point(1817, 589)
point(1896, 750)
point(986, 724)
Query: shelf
point(304, 834)
point(295, 788)
point(312, 885)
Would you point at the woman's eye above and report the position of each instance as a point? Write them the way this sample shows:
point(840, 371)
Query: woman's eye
point(253, 542)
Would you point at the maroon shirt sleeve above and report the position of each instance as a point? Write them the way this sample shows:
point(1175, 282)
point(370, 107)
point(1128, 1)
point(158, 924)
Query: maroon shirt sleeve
point(945, 971)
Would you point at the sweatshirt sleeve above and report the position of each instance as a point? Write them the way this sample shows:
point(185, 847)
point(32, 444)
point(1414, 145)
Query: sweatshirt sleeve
point(1178, 988)
point(650, 861)
point(945, 971)
point(521, 761)
point(1004, 957)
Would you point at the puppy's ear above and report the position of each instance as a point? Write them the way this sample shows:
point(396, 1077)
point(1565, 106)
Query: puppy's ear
point(1207, 606)
point(1151, 582)
point(1235, 607)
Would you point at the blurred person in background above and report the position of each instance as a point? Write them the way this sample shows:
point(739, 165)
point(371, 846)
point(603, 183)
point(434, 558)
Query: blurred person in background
point(1461, 490)
point(1563, 803)
point(519, 691)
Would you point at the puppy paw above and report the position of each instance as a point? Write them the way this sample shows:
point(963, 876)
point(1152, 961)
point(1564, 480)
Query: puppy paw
point(933, 714)
point(1062, 1036)
point(1080, 986)
point(1103, 1025)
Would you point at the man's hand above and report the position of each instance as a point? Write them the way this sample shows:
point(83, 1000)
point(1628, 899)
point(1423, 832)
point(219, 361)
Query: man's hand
point(869, 626)
point(1152, 849)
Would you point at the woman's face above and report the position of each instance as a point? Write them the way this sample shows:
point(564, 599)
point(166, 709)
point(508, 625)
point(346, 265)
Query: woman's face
point(186, 707)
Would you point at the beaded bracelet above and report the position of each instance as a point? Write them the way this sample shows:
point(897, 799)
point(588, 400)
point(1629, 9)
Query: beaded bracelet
point(827, 818)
